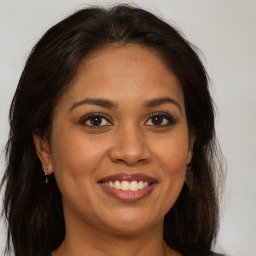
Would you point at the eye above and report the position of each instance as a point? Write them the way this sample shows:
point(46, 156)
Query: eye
point(95, 120)
point(160, 119)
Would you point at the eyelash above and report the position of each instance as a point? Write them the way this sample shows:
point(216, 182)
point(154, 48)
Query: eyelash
point(94, 115)
point(170, 119)
point(163, 115)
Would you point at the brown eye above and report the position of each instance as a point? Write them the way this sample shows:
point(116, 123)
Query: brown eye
point(160, 119)
point(95, 120)
point(157, 120)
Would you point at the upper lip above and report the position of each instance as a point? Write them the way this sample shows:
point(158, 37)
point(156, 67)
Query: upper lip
point(128, 177)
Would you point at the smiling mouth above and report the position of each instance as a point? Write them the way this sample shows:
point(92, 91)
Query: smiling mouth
point(128, 187)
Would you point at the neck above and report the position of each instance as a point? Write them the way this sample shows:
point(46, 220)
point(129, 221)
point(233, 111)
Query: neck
point(83, 240)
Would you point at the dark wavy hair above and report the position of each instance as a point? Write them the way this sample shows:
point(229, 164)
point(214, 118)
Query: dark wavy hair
point(33, 209)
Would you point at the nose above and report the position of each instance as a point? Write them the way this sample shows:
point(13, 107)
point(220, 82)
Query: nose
point(129, 147)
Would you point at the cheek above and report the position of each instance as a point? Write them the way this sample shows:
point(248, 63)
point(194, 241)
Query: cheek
point(172, 152)
point(75, 157)
point(171, 156)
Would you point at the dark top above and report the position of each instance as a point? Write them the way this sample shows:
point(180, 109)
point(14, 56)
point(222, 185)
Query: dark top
point(212, 254)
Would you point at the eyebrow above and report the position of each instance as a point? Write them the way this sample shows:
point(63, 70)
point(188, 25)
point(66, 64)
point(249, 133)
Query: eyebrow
point(109, 104)
point(97, 102)
point(161, 101)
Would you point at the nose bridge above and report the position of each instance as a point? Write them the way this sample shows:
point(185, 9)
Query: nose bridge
point(130, 145)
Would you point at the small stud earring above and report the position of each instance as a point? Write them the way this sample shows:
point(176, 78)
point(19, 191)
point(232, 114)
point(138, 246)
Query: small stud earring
point(189, 178)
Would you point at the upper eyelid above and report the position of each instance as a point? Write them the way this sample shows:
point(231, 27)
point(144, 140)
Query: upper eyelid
point(109, 119)
point(99, 114)
point(172, 120)
point(160, 113)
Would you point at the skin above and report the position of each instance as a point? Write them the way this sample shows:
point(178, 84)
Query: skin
point(127, 141)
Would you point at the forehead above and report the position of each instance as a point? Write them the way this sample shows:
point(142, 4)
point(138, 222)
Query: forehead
point(124, 72)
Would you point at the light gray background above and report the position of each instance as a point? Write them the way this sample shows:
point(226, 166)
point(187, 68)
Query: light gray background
point(225, 31)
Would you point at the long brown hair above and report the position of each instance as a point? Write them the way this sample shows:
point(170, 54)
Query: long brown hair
point(34, 210)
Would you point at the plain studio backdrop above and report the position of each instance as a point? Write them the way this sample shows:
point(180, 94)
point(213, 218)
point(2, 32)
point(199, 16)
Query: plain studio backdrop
point(225, 32)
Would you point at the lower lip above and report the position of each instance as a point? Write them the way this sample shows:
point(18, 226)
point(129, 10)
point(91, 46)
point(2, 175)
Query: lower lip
point(126, 195)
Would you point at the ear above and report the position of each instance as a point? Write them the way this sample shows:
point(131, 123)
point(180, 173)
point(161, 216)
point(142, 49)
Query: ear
point(43, 152)
point(192, 139)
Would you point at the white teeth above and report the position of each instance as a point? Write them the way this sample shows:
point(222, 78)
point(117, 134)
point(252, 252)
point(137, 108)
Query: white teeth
point(126, 185)
point(134, 186)
point(141, 185)
point(117, 184)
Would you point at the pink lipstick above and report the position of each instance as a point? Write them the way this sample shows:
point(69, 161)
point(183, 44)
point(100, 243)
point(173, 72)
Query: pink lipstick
point(128, 187)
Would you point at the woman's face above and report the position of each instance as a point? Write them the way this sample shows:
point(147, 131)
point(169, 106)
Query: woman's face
point(120, 142)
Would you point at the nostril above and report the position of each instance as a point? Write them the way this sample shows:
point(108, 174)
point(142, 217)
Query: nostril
point(129, 155)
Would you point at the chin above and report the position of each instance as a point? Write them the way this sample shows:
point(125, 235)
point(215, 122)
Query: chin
point(132, 221)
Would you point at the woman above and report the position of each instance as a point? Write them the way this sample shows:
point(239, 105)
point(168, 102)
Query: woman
point(111, 148)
